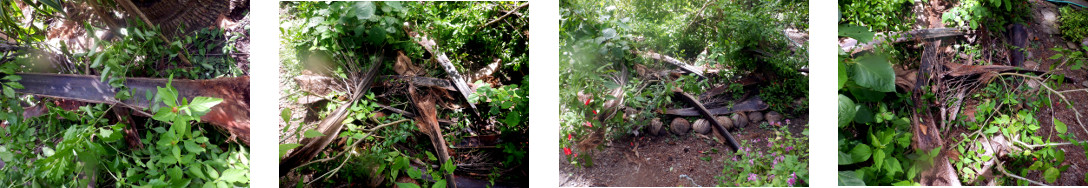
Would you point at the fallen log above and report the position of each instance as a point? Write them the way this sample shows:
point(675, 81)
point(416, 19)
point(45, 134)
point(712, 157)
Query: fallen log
point(706, 114)
point(427, 122)
point(231, 115)
point(458, 81)
point(670, 60)
point(920, 34)
point(752, 104)
point(330, 126)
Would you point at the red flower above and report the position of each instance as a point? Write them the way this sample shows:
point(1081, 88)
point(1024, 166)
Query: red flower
point(594, 112)
point(587, 101)
point(570, 136)
point(589, 124)
point(566, 150)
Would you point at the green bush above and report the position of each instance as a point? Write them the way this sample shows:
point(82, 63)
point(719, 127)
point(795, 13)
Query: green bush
point(878, 15)
point(1073, 24)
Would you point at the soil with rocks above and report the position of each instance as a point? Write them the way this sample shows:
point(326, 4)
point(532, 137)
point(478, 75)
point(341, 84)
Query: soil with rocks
point(662, 161)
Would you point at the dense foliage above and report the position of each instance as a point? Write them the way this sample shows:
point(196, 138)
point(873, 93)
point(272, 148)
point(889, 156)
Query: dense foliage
point(599, 40)
point(84, 147)
point(875, 132)
point(345, 31)
point(1073, 23)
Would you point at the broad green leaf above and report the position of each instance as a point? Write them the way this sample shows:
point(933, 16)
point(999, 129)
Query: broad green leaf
point(234, 175)
point(1059, 126)
point(201, 105)
point(850, 178)
point(847, 110)
point(195, 171)
point(407, 185)
point(439, 184)
point(892, 165)
point(878, 158)
point(1051, 174)
point(875, 72)
point(46, 151)
point(192, 147)
point(449, 167)
point(177, 153)
point(860, 153)
point(287, 147)
point(842, 75)
point(212, 173)
point(608, 33)
point(310, 133)
point(286, 115)
point(860, 33)
point(414, 173)
point(364, 10)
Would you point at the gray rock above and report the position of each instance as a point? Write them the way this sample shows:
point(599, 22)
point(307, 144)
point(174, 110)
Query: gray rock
point(680, 126)
point(773, 117)
point(739, 120)
point(656, 126)
point(755, 116)
point(702, 126)
point(725, 121)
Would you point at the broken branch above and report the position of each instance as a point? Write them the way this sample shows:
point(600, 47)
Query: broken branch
point(508, 13)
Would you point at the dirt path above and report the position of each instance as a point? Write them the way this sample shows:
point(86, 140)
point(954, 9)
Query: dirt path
point(660, 161)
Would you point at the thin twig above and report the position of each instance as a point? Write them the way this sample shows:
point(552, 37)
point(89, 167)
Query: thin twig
point(1076, 112)
point(356, 142)
point(1001, 167)
point(505, 15)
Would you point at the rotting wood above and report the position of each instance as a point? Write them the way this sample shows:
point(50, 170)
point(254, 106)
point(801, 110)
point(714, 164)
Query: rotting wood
point(706, 115)
point(389, 80)
point(330, 126)
point(902, 37)
point(428, 123)
point(670, 60)
point(231, 115)
point(458, 81)
point(751, 104)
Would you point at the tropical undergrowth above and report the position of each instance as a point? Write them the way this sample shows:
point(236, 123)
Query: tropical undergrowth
point(875, 131)
point(80, 146)
point(377, 143)
point(599, 40)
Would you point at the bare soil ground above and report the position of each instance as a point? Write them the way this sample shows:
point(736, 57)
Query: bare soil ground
point(661, 161)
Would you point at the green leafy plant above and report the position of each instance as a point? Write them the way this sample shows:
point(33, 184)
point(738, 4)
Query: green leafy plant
point(1074, 23)
point(782, 163)
point(883, 15)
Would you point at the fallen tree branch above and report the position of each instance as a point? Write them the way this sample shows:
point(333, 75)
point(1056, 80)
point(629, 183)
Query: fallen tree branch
point(902, 37)
point(458, 81)
point(1001, 167)
point(670, 60)
point(428, 124)
point(330, 126)
point(508, 13)
point(1051, 90)
point(706, 114)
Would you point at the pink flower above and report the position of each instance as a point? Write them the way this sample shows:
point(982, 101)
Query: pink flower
point(752, 177)
point(788, 148)
point(770, 177)
point(787, 121)
point(589, 124)
point(793, 179)
point(769, 144)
